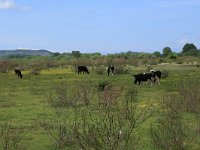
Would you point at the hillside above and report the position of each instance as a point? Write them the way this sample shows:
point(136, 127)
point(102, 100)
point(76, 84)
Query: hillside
point(27, 52)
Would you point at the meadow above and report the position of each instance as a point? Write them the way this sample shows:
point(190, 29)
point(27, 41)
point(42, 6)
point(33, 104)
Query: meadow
point(60, 109)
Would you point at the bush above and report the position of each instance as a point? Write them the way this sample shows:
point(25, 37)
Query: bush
point(100, 69)
point(35, 71)
point(189, 92)
point(102, 85)
point(6, 66)
point(10, 137)
point(86, 90)
point(165, 73)
point(169, 131)
point(149, 68)
point(122, 70)
point(172, 130)
point(110, 126)
point(61, 96)
point(113, 125)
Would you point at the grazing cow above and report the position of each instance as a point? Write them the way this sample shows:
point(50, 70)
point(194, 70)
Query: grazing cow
point(143, 77)
point(156, 76)
point(18, 73)
point(111, 70)
point(152, 76)
point(83, 69)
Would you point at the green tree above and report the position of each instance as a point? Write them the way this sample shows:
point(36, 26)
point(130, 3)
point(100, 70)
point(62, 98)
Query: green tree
point(189, 46)
point(173, 56)
point(157, 54)
point(166, 51)
point(56, 54)
point(76, 54)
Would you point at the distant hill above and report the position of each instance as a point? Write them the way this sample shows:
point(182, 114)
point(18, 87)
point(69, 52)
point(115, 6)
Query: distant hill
point(26, 52)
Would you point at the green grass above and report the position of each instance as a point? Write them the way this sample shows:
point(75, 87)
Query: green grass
point(24, 100)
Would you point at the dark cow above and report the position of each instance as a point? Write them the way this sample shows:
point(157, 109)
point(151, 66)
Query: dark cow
point(156, 76)
point(18, 73)
point(110, 70)
point(143, 77)
point(83, 69)
point(157, 73)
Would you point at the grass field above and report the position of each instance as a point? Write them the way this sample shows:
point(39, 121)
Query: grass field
point(23, 102)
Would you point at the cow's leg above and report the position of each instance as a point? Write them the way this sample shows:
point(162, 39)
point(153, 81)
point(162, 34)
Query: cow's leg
point(157, 80)
point(135, 82)
point(151, 83)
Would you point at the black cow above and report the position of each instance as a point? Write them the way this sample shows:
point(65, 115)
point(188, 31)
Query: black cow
point(18, 73)
point(110, 70)
point(143, 77)
point(83, 69)
point(156, 76)
point(157, 73)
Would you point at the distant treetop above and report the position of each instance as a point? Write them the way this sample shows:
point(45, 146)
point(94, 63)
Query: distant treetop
point(189, 46)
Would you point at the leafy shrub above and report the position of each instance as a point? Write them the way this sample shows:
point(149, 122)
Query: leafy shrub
point(149, 68)
point(109, 126)
point(86, 91)
point(7, 65)
point(61, 96)
point(35, 71)
point(165, 73)
point(122, 70)
point(169, 131)
point(100, 69)
point(173, 57)
point(10, 137)
point(102, 85)
point(189, 92)
point(113, 126)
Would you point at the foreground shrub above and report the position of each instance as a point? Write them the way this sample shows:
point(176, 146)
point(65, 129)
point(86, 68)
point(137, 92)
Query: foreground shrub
point(86, 91)
point(103, 84)
point(112, 125)
point(168, 132)
point(190, 95)
point(10, 138)
point(61, 96)
point(70, 95)
point(172, 130)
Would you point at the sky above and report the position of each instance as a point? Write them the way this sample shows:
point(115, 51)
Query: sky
point(105, 26)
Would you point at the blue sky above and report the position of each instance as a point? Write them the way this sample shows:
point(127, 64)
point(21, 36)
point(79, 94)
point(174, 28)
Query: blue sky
point(105, 26)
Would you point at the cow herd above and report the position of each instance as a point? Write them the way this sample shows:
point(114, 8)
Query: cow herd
point(148, 77)
point(152, 77)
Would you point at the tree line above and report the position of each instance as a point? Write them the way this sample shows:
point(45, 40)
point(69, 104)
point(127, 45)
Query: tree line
point(188, 49)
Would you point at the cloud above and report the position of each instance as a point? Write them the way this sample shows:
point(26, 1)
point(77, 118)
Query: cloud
point(10, 4)
point(7, 4)
point(182, 41)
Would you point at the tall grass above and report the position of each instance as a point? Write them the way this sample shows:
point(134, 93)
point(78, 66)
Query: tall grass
point(10, 138)
point(171, 131)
